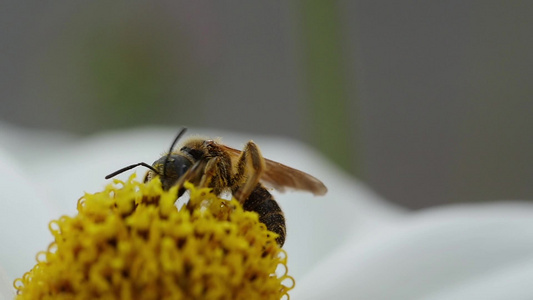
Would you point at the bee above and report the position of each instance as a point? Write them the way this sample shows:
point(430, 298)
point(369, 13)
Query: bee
point(246, 174)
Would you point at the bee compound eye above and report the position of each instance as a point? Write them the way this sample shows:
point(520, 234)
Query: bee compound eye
point(177, 165)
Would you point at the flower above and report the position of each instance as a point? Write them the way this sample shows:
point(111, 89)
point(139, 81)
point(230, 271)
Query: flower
point(131, 242)
point(350, 244)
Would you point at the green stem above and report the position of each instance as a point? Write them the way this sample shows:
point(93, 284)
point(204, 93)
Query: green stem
point(326, 82)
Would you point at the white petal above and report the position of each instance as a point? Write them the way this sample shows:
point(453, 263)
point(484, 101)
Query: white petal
point(6, 286)
point(432, 253)
point(24, 219)
point(512, 282)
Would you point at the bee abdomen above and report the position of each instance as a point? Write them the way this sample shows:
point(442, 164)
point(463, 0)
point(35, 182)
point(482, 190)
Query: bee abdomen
point(275, 222)
point(270, 214)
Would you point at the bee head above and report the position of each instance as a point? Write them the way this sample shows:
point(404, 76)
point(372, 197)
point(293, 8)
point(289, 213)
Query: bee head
point(170, 168)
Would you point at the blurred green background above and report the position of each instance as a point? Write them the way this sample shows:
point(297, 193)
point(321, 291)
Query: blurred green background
point(427, 102)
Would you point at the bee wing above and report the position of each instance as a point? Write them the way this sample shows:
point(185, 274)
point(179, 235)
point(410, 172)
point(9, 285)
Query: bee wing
point(282, 177)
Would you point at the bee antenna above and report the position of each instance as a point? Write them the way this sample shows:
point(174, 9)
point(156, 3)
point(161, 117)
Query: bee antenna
point(131, 167)
point(171, 148)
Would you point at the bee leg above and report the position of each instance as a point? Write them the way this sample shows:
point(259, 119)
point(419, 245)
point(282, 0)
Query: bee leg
point(210, 178)
point(146, 177)
point(249, 169)
point(192, 175)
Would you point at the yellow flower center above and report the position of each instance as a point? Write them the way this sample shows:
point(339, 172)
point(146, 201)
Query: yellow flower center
point(131, 242)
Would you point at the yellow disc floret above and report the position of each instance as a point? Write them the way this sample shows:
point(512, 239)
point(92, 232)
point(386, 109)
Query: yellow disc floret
point(131, 242)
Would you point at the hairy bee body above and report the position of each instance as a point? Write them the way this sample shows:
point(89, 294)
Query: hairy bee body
point(270, 214)
point(206, 163)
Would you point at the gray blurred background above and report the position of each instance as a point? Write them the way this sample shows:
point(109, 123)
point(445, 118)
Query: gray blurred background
point(428, 102)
